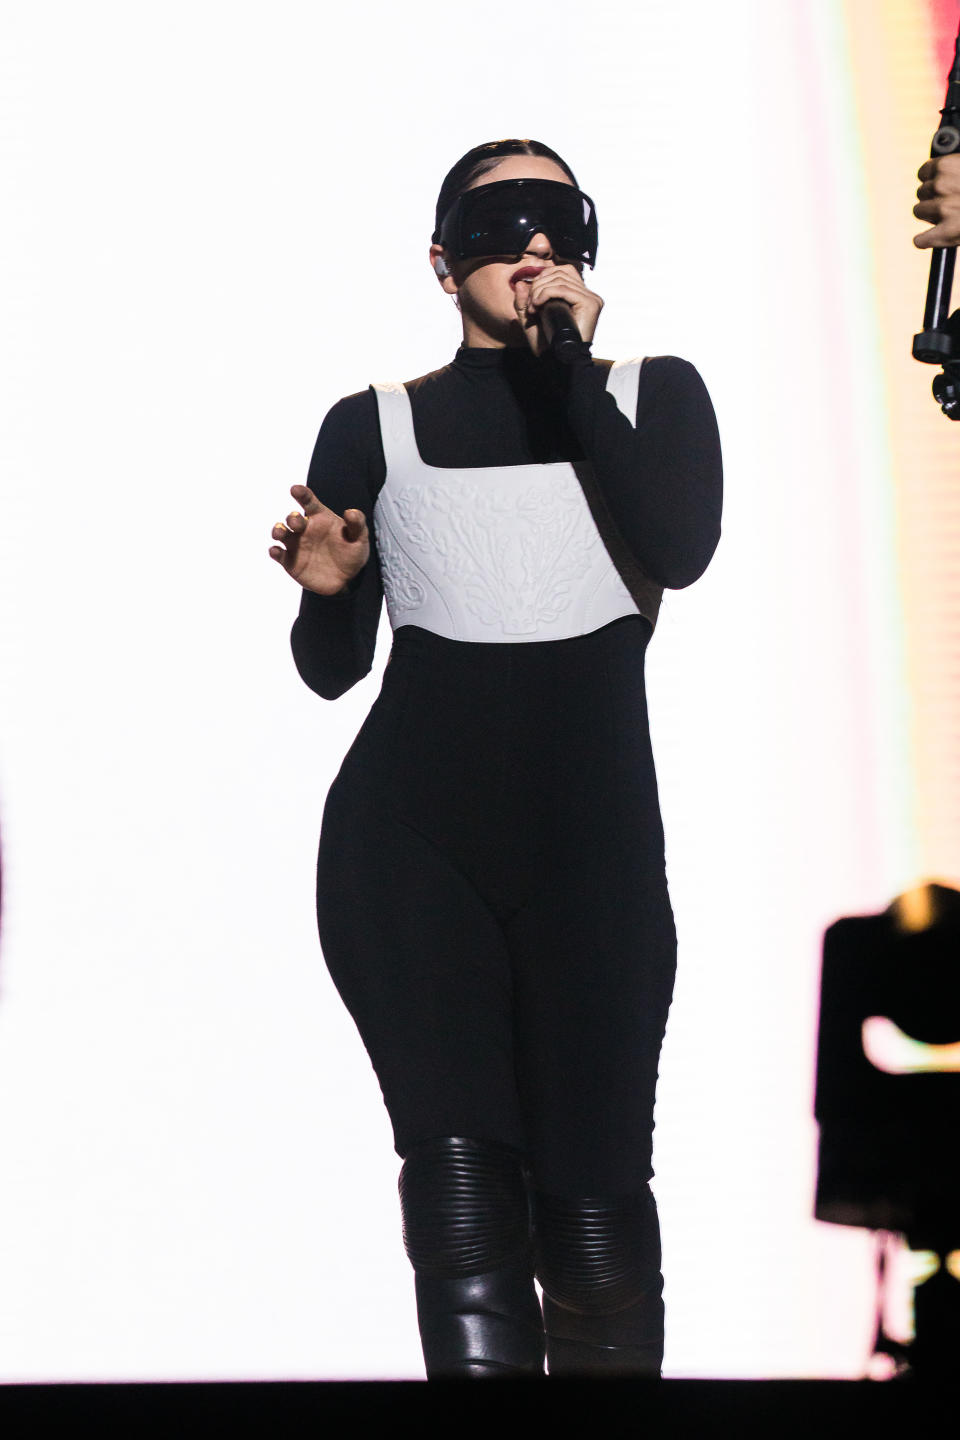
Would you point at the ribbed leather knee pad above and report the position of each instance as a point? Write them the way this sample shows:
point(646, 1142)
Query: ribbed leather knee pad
point(598, 1257)
point(464, 1206)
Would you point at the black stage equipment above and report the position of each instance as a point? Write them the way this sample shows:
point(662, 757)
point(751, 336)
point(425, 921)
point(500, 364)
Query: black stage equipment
point(888, 1100)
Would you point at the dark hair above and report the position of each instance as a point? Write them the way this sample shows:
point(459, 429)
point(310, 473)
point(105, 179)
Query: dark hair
point(478, 161)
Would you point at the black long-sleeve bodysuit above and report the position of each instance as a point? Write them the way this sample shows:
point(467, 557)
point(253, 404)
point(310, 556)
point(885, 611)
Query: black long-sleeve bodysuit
point(492, 898)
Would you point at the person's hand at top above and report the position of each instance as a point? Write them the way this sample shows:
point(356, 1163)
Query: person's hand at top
point(938, 201)
point(321, 549)
point(553, 282)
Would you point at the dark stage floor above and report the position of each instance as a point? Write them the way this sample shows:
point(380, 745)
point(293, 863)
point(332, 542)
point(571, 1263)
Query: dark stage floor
point(611, 1407)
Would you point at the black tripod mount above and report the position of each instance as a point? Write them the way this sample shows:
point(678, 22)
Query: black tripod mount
point(938, 343)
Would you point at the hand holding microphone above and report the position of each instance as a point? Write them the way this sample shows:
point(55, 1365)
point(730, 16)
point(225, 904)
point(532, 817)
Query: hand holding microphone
point(557, 310)
point(560, 330)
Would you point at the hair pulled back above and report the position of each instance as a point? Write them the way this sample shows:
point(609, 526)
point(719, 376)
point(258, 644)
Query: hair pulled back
point(478, 161)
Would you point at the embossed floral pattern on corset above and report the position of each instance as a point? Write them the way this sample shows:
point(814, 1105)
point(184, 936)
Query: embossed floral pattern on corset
point(495, 553)
point(402, 590)
point(513, 554)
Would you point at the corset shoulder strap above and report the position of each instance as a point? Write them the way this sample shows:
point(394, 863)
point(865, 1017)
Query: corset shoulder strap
point(396, 424)
point(623, 383)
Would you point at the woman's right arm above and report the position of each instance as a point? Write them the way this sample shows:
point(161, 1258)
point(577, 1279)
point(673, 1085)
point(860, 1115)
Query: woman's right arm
point(334, 636)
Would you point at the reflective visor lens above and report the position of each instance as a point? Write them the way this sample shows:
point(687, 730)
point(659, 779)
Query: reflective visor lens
point(502, 218)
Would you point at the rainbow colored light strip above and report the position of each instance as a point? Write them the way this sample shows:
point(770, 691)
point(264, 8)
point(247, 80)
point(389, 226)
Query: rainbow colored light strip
point(898, 54)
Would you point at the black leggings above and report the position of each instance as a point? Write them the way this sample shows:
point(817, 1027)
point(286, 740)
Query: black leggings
point(492, 900)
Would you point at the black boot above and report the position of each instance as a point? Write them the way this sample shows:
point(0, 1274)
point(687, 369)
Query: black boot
point(599, 1265)
point(627, 1342)
point(466, 1230)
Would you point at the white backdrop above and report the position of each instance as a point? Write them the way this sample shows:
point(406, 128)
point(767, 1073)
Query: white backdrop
point(217, 225)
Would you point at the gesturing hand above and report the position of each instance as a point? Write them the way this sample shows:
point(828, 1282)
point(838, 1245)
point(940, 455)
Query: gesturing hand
point(556, 282)
point(939, 201)
point(321, 549)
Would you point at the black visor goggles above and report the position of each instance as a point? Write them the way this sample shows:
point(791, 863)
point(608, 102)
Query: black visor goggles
point(501, 219)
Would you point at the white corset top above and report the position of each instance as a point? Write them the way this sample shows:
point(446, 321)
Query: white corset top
point(501, 553)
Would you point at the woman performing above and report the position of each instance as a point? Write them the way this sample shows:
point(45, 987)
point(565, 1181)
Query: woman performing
point(491, 886)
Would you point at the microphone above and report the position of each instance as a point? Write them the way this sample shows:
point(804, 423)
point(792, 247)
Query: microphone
point(560, 330)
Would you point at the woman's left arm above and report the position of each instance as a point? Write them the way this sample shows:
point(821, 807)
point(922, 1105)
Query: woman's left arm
point(662, 478)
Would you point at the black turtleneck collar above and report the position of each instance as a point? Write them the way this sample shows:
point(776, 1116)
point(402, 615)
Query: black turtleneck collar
point(491, 357)
point(495, 406)
point(518, 365)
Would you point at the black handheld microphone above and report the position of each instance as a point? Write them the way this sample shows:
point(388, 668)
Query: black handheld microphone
point(560, 330)
point(938, 343)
